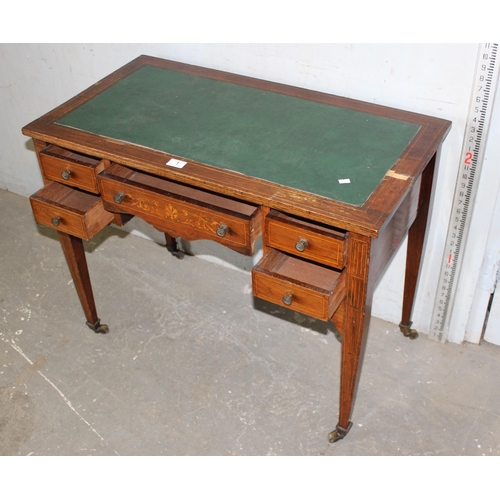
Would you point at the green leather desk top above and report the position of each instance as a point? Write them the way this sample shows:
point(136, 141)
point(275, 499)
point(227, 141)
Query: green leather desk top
point(330, 151)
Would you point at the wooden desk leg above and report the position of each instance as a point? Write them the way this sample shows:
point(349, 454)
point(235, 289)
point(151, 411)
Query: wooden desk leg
point(355, 329)
point(173, 247)
point(77, 263)
point(416, 237)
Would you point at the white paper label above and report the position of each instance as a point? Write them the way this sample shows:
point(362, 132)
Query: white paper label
point(176, 163)
point(344, 181)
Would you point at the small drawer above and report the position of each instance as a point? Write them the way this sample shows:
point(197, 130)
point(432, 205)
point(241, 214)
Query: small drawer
point(68, 167)
point(70, 211)
point(304, 287)
point(181, 210)
point(305, 239)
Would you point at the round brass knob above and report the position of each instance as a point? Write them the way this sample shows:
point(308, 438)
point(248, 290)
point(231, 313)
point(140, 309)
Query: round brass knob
point(119, 197)
point(222, 230)
point(56, 221)
point(287, 299)
point(301, 244)
point(66, 174)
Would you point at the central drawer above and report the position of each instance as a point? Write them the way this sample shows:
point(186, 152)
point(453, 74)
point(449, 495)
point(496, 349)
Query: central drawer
point(304, 287)
point(180, 210)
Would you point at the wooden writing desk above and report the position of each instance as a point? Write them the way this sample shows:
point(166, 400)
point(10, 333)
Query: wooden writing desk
point(332, 185)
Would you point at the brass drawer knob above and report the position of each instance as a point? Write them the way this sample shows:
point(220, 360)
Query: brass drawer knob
point(222, 230)
point(119, 197)
point(56, 220)
point(301, 244)
point(66, 174)
point(287, 299)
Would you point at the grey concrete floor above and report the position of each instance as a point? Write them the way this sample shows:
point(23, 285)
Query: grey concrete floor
point(194, 365)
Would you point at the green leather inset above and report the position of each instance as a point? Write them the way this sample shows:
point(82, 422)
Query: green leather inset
point(287, 140)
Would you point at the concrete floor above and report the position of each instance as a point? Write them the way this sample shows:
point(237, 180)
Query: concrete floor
point(193, 365)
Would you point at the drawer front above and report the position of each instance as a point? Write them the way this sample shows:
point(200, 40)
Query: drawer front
point(70, 168)
point(315, 243)
point(69, 211)
point(274, 279)
point(182, 217)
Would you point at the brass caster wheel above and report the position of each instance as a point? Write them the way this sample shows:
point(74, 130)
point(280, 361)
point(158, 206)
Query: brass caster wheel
point(178, 254)
point(408, 331)
point(173, 247)
point(334, 436)
point(97, 327)
point(339, 433)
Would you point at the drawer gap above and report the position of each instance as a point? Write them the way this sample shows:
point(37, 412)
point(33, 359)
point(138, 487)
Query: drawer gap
point(66, 154)
point(299, 270)
point(301, 222)
point(66, 197)
point(176, 190)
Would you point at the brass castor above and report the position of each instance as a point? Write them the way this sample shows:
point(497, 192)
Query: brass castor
point(173, 247)
point(97, 327)
point(408, 331)
point(339, 433)
point(177, 253)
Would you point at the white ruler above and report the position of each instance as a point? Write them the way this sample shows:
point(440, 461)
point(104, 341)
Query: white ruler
point(471, 159)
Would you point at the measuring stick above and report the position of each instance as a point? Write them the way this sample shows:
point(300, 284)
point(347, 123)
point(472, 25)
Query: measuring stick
point(471, 159)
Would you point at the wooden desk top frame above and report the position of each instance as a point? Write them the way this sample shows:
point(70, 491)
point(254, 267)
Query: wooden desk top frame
point(366, 219)
point(397, 206)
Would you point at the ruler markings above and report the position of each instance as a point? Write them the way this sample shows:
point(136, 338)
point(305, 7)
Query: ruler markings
point(466, 186)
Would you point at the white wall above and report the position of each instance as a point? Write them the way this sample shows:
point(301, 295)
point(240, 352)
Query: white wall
point(433, 79)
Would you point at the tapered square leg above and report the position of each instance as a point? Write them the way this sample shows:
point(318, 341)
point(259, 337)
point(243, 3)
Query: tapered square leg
point(355, 329)
point(77, 263)
point(416, 238)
